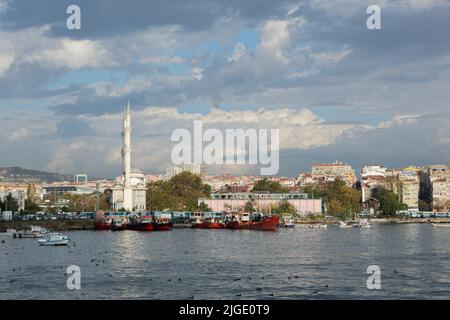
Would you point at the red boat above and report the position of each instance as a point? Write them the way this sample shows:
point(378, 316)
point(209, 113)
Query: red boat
point(256, 221)
point(101, 225)
point(162, 224)
point(144, 223)
point(211, 223)
point(196, 219)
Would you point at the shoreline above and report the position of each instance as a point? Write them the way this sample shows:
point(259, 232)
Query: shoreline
point(65, 225)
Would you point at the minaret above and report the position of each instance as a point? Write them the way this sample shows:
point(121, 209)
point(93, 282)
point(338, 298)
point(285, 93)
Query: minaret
point(126, 160)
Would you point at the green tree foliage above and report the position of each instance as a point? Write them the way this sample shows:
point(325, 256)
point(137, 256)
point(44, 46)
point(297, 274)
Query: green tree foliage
point(248, 207)
point(389, 201)
point(179, 193)
point(269, 186)
point(341, 201)
point(284, 208)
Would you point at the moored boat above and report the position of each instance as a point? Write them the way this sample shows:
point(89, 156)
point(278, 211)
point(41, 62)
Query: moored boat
point(287, 223)
point(32, 232)
point(144, 223)
point(196, 219)
point(343, 225)
point(362, 223)
point(55, 239)
point(254, 221)
point(318, 226)
point(161, 224)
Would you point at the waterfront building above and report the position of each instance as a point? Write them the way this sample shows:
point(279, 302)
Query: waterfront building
point(372, 176)
point(129, 193)
point(220, 202)
point(438, 182)
point(333, 171)
point(408, 186)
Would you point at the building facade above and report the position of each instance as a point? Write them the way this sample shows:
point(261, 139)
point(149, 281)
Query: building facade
point(221, 202)
point(334, 171)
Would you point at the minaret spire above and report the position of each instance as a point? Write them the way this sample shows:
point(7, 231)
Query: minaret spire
point(126, 160)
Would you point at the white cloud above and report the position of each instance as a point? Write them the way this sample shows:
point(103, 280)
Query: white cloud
point(239, 51)
point(74, 54)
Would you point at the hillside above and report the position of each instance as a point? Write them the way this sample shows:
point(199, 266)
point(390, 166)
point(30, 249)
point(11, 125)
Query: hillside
point(17, 174)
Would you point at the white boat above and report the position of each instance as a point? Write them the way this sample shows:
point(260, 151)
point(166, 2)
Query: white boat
point(55, 239)
point(318, 226)
point(363, 223)
point(442, 224)
point(33, 232)
point(287, 223)
point(343, 224)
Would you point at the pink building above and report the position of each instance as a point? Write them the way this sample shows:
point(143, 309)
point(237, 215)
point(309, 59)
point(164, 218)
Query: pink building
point(220, 202)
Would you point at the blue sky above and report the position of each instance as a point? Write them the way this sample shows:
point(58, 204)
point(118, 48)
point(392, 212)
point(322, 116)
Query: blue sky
point(347, 93)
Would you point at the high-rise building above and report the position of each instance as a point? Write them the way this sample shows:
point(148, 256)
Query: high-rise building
point(409, 185)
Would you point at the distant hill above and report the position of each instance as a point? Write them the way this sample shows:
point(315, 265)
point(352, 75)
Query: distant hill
point(17, 174)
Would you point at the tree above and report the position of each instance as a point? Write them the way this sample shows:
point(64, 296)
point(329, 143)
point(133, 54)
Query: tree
point(269, 186)
point(180, 193)
point(284, 207)
point(389, 201)
point(340, 199)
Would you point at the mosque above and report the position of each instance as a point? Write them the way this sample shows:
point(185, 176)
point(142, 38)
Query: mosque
point(129, 193)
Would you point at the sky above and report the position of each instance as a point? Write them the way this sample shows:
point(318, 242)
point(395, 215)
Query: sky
point(334, 88)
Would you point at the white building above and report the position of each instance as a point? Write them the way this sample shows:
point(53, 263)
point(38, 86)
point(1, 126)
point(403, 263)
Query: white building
point(173, 171)
point(196, 168)
point(130, 191)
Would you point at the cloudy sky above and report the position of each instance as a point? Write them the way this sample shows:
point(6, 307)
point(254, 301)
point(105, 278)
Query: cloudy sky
point(336, 90)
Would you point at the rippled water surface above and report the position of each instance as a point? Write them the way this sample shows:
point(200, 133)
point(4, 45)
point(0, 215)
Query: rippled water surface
point(298, 263)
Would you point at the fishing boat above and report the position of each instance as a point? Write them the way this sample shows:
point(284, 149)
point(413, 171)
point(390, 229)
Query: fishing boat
point(252, 221)
point(144, 223)
point(161, 223)
point(196, 219)
point(55, 239)
point(118, 225)
point(212, 223)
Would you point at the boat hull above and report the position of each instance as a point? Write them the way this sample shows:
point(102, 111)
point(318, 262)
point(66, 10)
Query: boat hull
point(141, 226)
point(162, 226)
point(267, 223)
point(54, 243)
